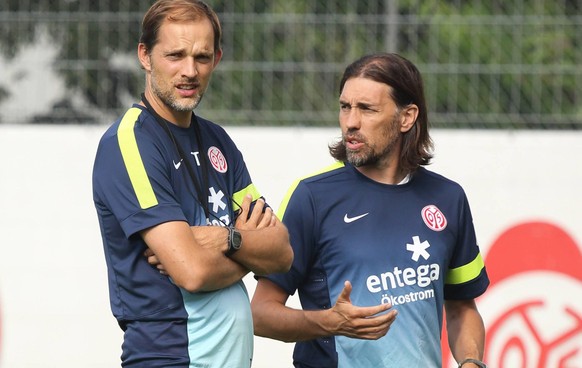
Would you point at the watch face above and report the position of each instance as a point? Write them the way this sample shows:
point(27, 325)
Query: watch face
point(236, 239)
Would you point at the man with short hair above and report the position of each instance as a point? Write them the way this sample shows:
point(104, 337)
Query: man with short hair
point(173, 186)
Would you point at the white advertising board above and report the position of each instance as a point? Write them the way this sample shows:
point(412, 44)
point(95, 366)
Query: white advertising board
point(523, 188)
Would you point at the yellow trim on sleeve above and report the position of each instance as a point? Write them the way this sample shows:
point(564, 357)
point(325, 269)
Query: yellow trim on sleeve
point(291, 189)
point(239, 196)
point(133, 162)
point(465, 273)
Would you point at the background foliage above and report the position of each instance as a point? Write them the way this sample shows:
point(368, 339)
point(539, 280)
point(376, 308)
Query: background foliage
point(487, 64)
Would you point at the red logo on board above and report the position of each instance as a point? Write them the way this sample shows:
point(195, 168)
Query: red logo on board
point(217, 159)
point(434, 218)
point(532, 310)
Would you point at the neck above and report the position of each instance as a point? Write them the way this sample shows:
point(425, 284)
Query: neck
point(179, 118)
point(390, 173)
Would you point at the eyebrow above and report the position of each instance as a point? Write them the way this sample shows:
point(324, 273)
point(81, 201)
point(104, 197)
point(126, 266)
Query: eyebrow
point(358, 104)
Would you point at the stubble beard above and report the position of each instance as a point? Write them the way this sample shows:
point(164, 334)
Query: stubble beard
point(361, 158)
point(368, 155)
point(164, 93)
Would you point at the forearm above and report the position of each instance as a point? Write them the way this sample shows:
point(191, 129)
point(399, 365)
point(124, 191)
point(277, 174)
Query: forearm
point(287, 324)
point(222, 273)
point(266, 250)
point(193, 256)
point(466, 331)
point(219, 270)
point(273, 319)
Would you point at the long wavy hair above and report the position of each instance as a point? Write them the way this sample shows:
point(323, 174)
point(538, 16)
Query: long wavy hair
point(406, 87)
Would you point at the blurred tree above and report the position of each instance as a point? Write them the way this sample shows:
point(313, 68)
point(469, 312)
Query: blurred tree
point(485, 63)
point(283, 59)
point(497, 58)
point(88, 35)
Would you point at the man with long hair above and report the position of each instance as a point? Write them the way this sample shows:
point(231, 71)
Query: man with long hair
point(380, 242)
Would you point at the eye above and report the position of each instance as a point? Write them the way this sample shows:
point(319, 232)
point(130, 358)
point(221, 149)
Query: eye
point(174, 55)
point(204, 59)
point(365, 108)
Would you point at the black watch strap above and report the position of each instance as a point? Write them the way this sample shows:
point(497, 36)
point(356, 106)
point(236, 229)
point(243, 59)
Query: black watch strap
point(234, 241)
point(479, 363)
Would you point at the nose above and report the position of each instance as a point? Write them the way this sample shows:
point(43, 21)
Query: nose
point(351, 119)
point(190, 69)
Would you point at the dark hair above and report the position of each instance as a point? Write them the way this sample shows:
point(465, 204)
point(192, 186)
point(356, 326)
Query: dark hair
point(177, 11)
point(406, 87)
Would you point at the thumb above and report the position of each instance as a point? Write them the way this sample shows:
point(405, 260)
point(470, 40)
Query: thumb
point(345, 294)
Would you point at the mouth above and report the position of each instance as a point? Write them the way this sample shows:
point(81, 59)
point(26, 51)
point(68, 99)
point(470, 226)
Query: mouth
point(187, 89)
point(352, 143)
point(187, 86)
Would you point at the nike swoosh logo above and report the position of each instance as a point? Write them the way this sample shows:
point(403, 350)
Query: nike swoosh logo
point(347, 219)
point(177, 165)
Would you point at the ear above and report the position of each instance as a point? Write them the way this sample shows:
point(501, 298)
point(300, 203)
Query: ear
point(144, 57)
point(408, 117)
point(217, 57)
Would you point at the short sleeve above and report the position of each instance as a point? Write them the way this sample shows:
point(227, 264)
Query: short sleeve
point(130, 178)
point(466, 277)
point(300, 219)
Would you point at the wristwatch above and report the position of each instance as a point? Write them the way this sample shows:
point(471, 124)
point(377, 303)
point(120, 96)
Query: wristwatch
point(234, 241)
point(478, 363)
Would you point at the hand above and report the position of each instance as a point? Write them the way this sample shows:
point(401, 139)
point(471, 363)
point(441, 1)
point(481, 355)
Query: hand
point(367, 323)
point(154, 261)
point(258, 218)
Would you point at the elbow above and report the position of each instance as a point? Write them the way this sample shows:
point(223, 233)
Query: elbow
point(259, 330)
point(280, 264)
point(192, 287)
point(262, 328)
point(286, 260)
point(261, 325)
point(192, 282)
point(286, 257)
point(257, 323)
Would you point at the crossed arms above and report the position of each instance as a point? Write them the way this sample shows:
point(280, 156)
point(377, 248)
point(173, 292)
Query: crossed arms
point(194, 256)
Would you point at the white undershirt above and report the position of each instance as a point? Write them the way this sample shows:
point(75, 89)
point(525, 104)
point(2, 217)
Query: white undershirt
point(405, 180)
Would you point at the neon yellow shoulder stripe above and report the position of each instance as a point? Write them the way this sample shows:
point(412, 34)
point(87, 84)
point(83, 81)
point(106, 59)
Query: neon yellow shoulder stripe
point(132, 159)
point(238, 197)
point(285, 201)
point(465, 273)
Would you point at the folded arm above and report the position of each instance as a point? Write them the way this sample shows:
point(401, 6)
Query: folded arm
point(265, 241)
point(192, 257)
